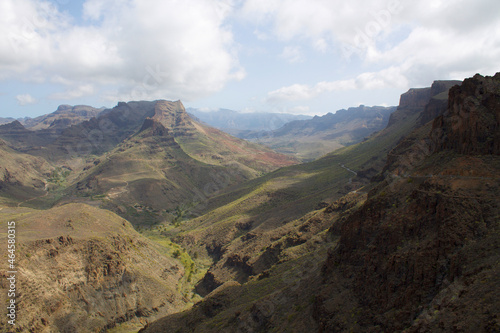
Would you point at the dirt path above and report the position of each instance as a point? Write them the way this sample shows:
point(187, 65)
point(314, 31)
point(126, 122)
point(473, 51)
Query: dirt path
point(343, 166)
point(38, 197)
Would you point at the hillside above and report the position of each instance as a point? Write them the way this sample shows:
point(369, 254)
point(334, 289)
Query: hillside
point(82, 269)
point(422, 252)
point(21, 176)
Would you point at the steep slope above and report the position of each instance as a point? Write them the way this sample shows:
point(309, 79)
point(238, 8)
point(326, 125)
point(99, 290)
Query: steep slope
point(439, 100)
point(21, 176)
point(81, 269)
point(310, 139)
point(472, 122)
point(422, 253)
point(149, 175)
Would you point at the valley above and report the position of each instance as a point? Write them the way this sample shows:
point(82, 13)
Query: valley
point(372, 219)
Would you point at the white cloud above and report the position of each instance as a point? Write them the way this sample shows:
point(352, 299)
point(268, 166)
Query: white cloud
point(80, 91)
point(390, 77)
point(292, 54)
point(187, 41)
point(25, 99)
point(299, 109)
point(414, 42)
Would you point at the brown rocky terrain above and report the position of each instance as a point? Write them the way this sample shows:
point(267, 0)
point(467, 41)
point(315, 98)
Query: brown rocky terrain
point(422, 253)
point(22, 176)
point(472, 122)
point(81, 269)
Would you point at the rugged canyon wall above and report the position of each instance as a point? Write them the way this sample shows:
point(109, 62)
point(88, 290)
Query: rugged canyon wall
point(471, 124)
point(421, 255)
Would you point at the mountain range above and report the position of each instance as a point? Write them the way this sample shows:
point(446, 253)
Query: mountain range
point(310, 139)
point(234, 122)
point(142, 218)
point(303, 137)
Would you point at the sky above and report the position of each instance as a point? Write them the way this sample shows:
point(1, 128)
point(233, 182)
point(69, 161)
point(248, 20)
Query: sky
point(295, 56)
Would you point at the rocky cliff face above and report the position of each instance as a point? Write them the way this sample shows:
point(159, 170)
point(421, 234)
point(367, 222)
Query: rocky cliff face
point(472, 122)
point(154, 128)
point(438, 102)
point(415, 97)
point(421, 255)
point(410, 103)
point(173, 116)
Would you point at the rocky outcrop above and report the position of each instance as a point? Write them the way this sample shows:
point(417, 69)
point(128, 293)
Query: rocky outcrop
point(423, 247)
point(155, 128)
point(439, 101)
point(471, 124)
point(173, 116)
point(415, 97)
point(410, 103)
point(82, 269)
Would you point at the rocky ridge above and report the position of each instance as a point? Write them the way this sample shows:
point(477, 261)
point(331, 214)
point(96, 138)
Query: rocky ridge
point(411, 252)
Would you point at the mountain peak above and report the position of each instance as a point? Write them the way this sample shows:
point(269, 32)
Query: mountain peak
point(15, 125)
point(174, 117)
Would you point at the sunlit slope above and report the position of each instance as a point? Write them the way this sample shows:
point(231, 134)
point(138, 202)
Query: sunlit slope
point(85, 269)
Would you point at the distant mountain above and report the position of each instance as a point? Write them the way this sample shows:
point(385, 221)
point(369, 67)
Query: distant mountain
point(310, 139)
point(64, 116)
point(6, 120)
point(234, 122)
point(140, 156)
point(31, 134)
